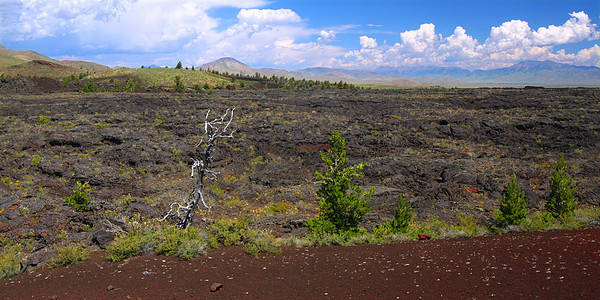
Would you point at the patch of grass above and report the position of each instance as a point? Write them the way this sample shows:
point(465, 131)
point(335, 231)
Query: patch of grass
point(468, 227)
point(36, 160)
point(278, 207)
point(187, 243)
point(229, 232)
point(44, 120)
point(69, 255)
point(260, 241)
point(125, 199)
point(136, 242)
point(236, 202)
point(216, 190)
point(161, 77)
point(10, 261)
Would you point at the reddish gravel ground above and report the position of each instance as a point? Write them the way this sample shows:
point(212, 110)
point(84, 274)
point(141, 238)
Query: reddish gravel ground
point(547, 265)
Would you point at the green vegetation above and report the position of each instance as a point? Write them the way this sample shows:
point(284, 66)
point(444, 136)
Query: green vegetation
point(69, 255)
point(178, 87)
point(161, 77)
point(561, 202)
point(44, 120)
point(513, 209)
point(145, 237)
point(10, 260)
point(36, 160)
point(90, 87)
point(80, 199)
point(399, 224)
point(343, 204)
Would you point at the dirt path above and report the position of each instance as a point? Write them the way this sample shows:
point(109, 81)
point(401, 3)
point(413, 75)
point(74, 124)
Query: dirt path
point(556, 264)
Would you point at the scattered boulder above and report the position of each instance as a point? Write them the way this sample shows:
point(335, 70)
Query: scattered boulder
point(215, 287)
point(424, 236)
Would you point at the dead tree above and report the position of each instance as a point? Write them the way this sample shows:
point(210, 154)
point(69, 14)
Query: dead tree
point(213, 131)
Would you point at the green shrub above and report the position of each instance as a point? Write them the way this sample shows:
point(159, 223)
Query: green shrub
point(187, 243)
point(513, 209)
point(190, 249)
point(44, 120)
point(137, 242)
point(90, 87)
point(343, 204)
point(69, 255)
point(432, 226)
point(132, 85)
point(229, 232)
point(538, 221)
point(80, 199)
point(36, 160)
point(278, 207)
point(10, 261)
point(561, 202)
point(259, 241)
point(178, 87)
point(399, 224)
point(467, 226)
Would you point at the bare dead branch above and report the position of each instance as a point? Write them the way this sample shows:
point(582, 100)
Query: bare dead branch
point(213, 131)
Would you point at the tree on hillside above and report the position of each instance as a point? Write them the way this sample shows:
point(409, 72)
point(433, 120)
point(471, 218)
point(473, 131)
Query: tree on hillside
point(513, 209)
point(343, 204)
point(178, 65)
point(178, 87)
point(562, 202)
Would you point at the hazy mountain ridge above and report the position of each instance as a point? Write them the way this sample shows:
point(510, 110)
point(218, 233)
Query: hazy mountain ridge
point(231, 65)
point(524, 73)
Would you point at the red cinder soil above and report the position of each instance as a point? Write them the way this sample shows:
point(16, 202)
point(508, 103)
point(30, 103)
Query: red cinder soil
point(546, 265)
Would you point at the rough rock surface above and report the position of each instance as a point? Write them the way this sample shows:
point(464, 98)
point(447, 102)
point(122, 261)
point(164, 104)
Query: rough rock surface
point(447, 151)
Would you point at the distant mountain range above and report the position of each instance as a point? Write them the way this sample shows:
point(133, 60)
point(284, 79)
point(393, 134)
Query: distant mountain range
point(545, 73)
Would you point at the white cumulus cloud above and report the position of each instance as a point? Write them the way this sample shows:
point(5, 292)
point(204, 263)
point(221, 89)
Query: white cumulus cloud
point(326, 36)
point(511, 42)
point(419, 40)
point(578, 28)
point(268, 16)
point(367, 42)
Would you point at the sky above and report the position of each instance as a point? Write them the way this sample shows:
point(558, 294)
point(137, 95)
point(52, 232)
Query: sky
point(288, 34)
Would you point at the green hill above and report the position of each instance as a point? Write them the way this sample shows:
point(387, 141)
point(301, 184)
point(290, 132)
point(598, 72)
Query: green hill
point(164, 77)
point(83, 65)
point(24, 55)
point(7, 61)
point(40, 68)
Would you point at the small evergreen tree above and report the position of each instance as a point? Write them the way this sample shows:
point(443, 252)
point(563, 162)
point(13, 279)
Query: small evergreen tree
point(178, 87)
point(343, 204)
point(80, 199)
point(513, 208)
point(400, 222)
point(562, 202)
point(179, 65)
point(90, 87)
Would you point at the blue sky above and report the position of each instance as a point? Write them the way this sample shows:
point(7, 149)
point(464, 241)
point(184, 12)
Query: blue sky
point(306, 33)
